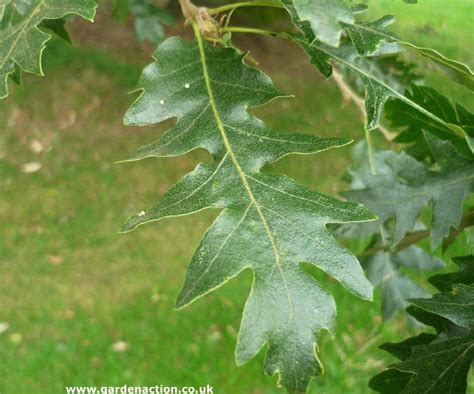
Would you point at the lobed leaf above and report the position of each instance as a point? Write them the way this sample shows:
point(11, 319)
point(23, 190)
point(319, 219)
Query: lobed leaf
point(414, 123)
point(456, 306)
point(403, 187)
point(269, 223)
point(367, 37)
point(21, 39)
point(435, 363)
point(371, 39)
point(433, 368)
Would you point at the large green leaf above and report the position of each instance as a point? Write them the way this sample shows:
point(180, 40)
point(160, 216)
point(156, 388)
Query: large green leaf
point(323, 17)
point(403, 187)
point(22, 42)
point(269, 223)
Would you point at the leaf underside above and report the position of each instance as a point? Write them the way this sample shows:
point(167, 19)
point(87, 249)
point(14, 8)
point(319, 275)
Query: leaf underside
point(384, 269)
point(269, 223)
point(403, 187)
point(22, 41)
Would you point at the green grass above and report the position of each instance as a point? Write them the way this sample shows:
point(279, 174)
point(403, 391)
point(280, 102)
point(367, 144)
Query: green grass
point(71, 286)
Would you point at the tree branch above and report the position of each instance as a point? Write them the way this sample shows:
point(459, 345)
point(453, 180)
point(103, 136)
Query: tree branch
point(349, 95)
point(415, 237)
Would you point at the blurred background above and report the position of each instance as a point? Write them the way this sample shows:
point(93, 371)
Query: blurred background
point(81, 304)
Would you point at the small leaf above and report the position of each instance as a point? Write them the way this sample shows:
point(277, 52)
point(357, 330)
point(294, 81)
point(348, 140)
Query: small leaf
point(415, 123)
point(324, 17)
point(367, 37)
point(384, 270)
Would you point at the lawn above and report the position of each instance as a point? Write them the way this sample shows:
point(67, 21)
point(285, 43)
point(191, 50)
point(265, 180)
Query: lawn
point(86, 305)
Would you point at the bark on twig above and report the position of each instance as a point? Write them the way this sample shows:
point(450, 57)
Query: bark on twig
point(349, 95)
point(415, 237)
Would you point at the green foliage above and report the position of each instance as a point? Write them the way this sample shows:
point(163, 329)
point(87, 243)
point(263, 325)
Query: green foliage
point(269, 223)
point(149, 19)
point(22, 40)
point(322, 17)
point(414, 123)
point(384, 269)
point(436, 363)
point(403, 187)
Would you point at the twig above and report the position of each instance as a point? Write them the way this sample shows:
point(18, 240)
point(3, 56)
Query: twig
point(349, 95)
point(415, 237)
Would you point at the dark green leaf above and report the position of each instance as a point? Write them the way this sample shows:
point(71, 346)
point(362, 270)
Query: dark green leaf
point(464, 275)
point(58, 27)
point(402, 115)
point(390, 381)
point(402, 350)
point(439, 367)
point(457, 305)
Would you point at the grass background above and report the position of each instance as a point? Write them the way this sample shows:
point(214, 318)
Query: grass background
point(71, 286)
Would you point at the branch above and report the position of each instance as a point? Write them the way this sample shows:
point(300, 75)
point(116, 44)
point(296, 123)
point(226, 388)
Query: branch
point(415, 237)
point(208, 26)
point(349, 95)
point(234, 6)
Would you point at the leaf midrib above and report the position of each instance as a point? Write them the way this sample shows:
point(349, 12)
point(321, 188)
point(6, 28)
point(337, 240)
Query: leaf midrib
point(456, 130)
point(242, 175)
point(460, 67)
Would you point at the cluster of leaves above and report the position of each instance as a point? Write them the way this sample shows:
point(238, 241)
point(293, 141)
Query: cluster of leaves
point(24, 31)
point(436, 363)
point(268, 222)
point(149, 20)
